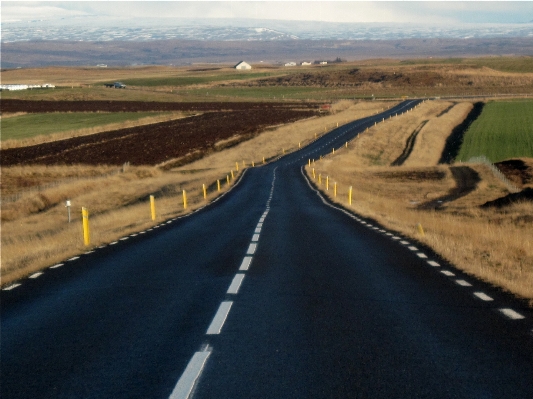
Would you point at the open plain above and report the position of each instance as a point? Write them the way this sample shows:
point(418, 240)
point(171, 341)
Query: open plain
point(274, 97)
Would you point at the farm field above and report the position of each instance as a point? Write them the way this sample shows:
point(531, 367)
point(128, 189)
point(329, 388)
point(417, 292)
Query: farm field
point(346, 80)
point(504, 130)
point(31, 125)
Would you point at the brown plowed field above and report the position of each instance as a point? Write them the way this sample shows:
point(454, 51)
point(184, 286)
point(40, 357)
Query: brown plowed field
point(29, 106)
point(156, 143)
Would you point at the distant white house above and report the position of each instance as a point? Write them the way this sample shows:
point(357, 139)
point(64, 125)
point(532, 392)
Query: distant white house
point(304, 63)
point(25, 87)
point(290, 64)
point(243, 65)
point(323, 62)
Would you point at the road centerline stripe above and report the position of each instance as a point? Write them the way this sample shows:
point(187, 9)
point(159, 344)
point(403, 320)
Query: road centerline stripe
point(246, 263)
point(236, 283)
point(447, 273)
point(220, 318)
point(433, 263)
point(255, 237)
point(463, 283)
point(251, 249)
point(188, 379)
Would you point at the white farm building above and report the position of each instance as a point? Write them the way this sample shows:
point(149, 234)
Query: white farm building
point(243, 65)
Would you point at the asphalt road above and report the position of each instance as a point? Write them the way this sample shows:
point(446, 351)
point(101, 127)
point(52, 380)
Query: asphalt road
point(269, 292)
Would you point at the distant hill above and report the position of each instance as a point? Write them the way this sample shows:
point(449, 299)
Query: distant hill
point(183, 52)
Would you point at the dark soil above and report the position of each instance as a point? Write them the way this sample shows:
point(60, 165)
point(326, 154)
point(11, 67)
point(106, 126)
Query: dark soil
point(524, 195)
point(154, 144)
point(466, 180)
point(409, 145)
point(454, 140)
point(29, 106)
point(517, 171)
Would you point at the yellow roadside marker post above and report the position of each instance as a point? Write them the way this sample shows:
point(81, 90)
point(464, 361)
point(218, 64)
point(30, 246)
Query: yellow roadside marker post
point(232, 175)
point(314, 175)
point(205, 191)
point(335, 189)
point(327, 183)
point(420, 229)
point(333, 152)
point(237, 166)
point(253, 164)
point(85, 220)
point(184, 199)
point(350, 196)
point(320, 178)
point(227, 179)
point(309, 163)
point(263, 160)
point(152, 206)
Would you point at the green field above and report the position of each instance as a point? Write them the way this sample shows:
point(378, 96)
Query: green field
point(194, 80)
point(504, 130)
point(504, 64)
point(30, 125)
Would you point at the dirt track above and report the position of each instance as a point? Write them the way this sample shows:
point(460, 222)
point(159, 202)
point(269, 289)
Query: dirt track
point(466, 180)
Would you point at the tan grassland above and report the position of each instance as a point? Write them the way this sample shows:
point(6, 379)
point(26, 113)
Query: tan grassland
point(494, 244)
point(35, 232)
point(88, 131)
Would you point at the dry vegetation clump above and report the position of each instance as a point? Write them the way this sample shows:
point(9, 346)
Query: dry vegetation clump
point(492, 243)
point(35, 232)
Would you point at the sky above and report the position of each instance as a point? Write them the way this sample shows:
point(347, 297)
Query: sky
point(423, 12)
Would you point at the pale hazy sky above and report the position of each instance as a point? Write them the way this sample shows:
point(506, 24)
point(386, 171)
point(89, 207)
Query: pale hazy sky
point(328, 11)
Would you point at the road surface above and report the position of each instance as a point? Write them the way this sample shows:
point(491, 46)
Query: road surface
point(269, 292)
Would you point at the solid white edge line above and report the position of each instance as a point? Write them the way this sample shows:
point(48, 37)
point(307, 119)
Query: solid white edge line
point(483, 296)
point(188, 379)
point(251, 249)
point(236, 284)
point(246, 263)
point(510, 313)
point(220, 318)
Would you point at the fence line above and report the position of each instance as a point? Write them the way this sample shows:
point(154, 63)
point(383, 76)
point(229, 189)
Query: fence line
point(485, 161)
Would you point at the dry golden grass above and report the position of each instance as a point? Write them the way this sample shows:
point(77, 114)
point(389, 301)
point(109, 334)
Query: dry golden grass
point(493, 244)
point(35, 232)
point(430, 141)
point(93, 130)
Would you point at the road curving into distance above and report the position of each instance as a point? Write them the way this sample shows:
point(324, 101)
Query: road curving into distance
point(270, 292)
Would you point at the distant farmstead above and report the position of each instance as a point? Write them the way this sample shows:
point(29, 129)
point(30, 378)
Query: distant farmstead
point(243, 65)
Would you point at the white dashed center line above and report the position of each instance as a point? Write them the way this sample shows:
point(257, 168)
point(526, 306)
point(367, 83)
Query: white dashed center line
point(510, 313)
point(421, 255)
point(251, 249)
point(255, 237)
point(483, 296)
point(258, 230)
point(433, 263)
point(246, 263)
point(404, 242)
point(56, 266)
point(35, 275)
point(220, 318)
point(413, 248)
point(74, 258)
point(184, 387)
point(463, 283)
point(236, 283)
point(447, 273)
